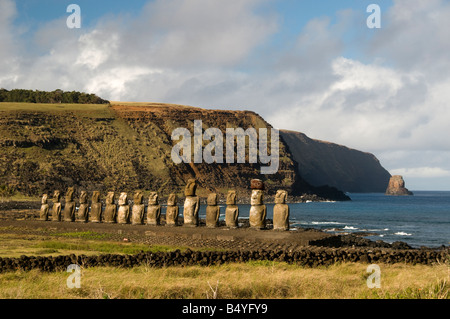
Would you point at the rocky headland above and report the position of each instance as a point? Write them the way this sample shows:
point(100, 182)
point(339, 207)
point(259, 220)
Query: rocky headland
point(325, 163)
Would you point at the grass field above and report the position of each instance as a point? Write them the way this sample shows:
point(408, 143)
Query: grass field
point(239, 280)
point(78, 243)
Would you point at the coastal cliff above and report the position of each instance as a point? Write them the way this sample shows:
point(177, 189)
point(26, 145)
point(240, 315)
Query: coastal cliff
point(325, 163)
point(126, 147)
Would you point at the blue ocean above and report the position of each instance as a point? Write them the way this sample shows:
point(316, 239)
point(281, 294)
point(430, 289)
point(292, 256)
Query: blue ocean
point(419, 220)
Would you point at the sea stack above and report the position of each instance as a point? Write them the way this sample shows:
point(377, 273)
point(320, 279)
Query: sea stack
point(397, 187)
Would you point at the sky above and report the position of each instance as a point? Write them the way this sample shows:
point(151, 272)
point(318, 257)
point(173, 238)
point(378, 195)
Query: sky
point(308, 66)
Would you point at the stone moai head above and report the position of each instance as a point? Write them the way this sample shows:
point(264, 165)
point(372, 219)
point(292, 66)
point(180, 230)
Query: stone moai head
point(44, 199)
point(231, 198)
point(172, 200)
point(56, 196)
point(95, 196)
point(191, 187)
point(110, 198)
point(123, 199)
point(83, 197)
point(153, 198)
point(69, 194)
point(257, 197)
point(281, 197)
point(138, 198)
point(212, 199)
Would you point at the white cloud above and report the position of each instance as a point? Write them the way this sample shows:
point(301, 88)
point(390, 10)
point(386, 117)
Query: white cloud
point(421, 172)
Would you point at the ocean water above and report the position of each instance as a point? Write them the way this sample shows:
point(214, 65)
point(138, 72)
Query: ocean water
point(419, 220)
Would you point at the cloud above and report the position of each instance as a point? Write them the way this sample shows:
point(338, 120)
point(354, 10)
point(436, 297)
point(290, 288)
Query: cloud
point(9, 46)
point(421, 172)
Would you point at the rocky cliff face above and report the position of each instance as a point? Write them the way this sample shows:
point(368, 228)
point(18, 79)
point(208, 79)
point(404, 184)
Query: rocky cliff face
point(324, 163)
point(397, 187)
point(126, 147)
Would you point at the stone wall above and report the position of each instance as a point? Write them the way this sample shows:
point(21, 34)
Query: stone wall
point(309, 257)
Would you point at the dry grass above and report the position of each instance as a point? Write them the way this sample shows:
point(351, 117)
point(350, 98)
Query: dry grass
point(246, 281)
point(78, 243)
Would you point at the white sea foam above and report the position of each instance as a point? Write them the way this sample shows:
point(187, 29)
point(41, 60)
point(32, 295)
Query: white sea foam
point(325, 223)
point(350, 228)
point(400, 233)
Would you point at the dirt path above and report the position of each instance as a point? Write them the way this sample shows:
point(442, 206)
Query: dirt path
point(219, 238)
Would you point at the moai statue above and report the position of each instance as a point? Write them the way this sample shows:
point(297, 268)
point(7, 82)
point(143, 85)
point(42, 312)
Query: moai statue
point(123, 214)
point(281, 211)
point(154, 210)
point(44, 208)
point(232, 210)
point(110, 209)
point(191, 204)
point(69, 206)
point(83, 210)
point(56, 209)
point(172, 210)
point(212, 211)
point(258, 210)
point(96, 208)
point(137, 212)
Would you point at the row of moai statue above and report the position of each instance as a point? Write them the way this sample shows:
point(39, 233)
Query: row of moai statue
point(123, 214)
